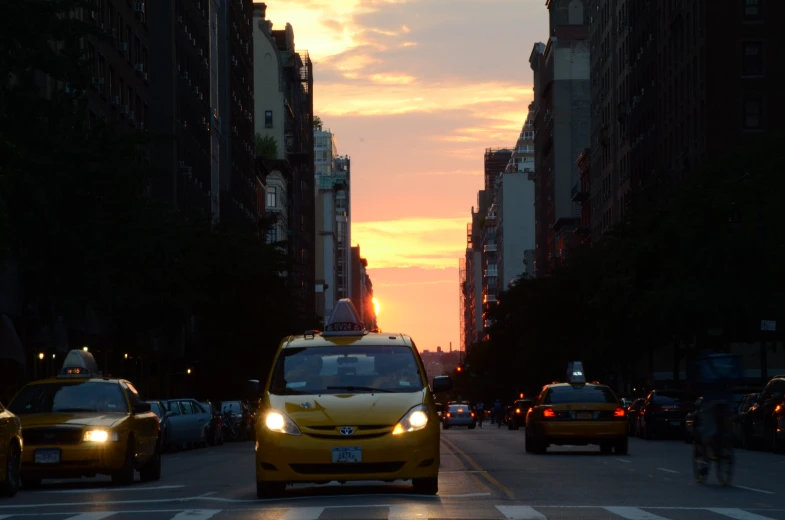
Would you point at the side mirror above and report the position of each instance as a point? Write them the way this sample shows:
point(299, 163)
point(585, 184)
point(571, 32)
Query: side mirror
point(142, 408)
point(441, 384)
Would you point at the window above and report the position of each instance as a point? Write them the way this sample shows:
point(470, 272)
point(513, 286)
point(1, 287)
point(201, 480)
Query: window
point(751, 10)
point(752, 59)
point(272, 235)
point(753, 113)
point(271, 197)
point(268, 118)
point(579, 394)
point(528, 135)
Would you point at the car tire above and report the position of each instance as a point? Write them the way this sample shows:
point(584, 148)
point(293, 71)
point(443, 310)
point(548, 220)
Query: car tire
point(10, 485)
point(622, 446)
point(152, 470)
point(125, 475)
point(269, 489)
point(426, 486)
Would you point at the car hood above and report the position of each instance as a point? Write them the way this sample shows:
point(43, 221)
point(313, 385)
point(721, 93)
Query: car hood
point(346, 409)
point(71, 419)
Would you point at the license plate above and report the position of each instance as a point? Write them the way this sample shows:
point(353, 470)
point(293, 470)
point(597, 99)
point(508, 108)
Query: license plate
point(47, 456)
point(351, 454)
point(585, 415)
point(675, 423)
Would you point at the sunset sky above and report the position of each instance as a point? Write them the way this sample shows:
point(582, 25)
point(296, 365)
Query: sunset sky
point(415, 90)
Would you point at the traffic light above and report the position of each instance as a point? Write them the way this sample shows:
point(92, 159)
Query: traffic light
point(521, 396)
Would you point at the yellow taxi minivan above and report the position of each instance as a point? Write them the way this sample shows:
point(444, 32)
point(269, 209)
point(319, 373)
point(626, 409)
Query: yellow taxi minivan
point(81, 424)
point(347, 404)
point(577, 413)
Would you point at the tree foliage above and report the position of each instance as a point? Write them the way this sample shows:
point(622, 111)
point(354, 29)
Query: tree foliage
point(76, 215)
point(704, 255)
point(266, 146)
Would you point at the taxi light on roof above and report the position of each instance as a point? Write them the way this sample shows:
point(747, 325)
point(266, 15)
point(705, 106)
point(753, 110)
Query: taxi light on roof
point(79, 363)
point(575, 374)
point(344, 320)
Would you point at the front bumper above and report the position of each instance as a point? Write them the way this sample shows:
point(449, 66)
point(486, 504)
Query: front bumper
point(584, 432)
point(290, 458)
point(76, 460)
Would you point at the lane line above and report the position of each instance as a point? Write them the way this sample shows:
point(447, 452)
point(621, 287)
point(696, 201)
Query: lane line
point(633, 513)
point(501, 487)
point(668, 470)
point(521, 513)
point(195, 514)
point(756, 489)
point(738, 514)
point(480, 482)
point(625, 461)
point(108, 490)
point(92, 516)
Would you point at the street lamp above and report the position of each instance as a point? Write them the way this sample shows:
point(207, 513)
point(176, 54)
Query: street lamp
point(126, 356)
point(41, 355)
point(188, 371)
point(85, 349)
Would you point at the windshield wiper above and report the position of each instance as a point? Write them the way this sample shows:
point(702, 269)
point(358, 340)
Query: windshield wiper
point(351, 388)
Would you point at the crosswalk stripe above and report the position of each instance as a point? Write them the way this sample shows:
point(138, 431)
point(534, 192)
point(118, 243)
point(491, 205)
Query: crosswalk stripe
point(738, 514)
point(303, 513)
point(408, 512)
point(633, 513)
point(92, 516)
point(196, 514)
point(521, 513)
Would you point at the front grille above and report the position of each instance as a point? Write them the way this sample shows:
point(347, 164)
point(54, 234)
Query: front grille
point(347, 468)
point(366, 431)
point(352, 437)
point(58, 435)
point(364, 427)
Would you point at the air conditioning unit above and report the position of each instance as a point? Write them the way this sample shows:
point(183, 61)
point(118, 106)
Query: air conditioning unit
point(123, 46)
point(139, 68)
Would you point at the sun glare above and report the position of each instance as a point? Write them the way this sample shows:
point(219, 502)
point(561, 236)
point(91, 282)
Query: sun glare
point(375, 306)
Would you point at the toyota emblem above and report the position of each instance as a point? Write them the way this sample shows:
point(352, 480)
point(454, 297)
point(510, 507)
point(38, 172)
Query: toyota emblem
point(346, 430)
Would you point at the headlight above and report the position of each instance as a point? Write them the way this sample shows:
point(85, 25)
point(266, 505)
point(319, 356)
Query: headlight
point(278, 422)
point(414, 420)
point(99, 436)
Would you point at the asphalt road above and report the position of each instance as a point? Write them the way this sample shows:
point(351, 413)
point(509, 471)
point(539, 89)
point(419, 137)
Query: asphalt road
point(486, 474)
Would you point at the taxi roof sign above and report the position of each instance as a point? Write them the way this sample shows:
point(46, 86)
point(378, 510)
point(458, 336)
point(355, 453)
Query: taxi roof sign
point(79, 363)
point(575, 374)
point(344, 320)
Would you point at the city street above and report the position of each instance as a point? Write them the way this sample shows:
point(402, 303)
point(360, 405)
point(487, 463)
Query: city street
point(486, 474)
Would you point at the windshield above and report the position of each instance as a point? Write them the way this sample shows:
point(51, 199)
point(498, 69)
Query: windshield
point(346, 369)
point(232, 407)
point(580, 394)
point(65, 397)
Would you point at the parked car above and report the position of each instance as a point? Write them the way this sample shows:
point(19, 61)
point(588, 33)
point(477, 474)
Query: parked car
point(160, 411)
point(765, 419)
point(214, 430)
point(664, 413)
point(188, 422)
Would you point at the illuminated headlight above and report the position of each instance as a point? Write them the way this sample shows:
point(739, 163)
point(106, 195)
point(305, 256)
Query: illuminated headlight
point(416, 419)
point(278, 422)
point(99, 436)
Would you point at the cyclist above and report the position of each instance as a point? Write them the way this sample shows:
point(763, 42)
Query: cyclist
point(714, 376)
point(480, 413)
point(498, 412)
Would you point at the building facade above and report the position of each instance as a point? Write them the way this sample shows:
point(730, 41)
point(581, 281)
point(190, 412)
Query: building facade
point(514, 227)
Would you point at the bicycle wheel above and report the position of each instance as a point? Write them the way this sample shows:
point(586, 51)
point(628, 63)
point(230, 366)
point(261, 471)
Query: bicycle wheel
point(701, 467)
point(725, 462)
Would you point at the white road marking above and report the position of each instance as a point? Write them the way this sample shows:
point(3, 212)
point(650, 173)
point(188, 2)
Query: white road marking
point(92, 516)
point(303, 513)
point(625, 461)
point(633, 513)
point(738, 514)
point(521, 513)
point(408, 512)
point(668, 470)
point(755, 489)
point(111, 489)
point(196, 514)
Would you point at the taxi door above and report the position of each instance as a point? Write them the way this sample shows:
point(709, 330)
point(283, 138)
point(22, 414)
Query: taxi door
point(144, 425)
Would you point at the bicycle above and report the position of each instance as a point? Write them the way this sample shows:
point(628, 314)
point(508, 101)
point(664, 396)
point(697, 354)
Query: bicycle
point(720, 447)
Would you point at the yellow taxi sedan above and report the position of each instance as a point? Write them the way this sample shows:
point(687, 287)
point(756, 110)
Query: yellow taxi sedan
point(83, 424)
point(347, 404)
point(577, 413)
point(10, 452)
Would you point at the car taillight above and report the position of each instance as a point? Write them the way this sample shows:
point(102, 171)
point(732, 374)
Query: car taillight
point(548, 412)
point(472, 414)
point(619, 412)
point(449, 414)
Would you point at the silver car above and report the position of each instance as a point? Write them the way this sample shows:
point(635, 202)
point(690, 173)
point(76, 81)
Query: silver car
point(459, 415)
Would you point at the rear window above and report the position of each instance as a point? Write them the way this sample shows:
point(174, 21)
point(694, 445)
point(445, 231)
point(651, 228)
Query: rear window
point(669, 398)
point(580, 394)
point(456, 407)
